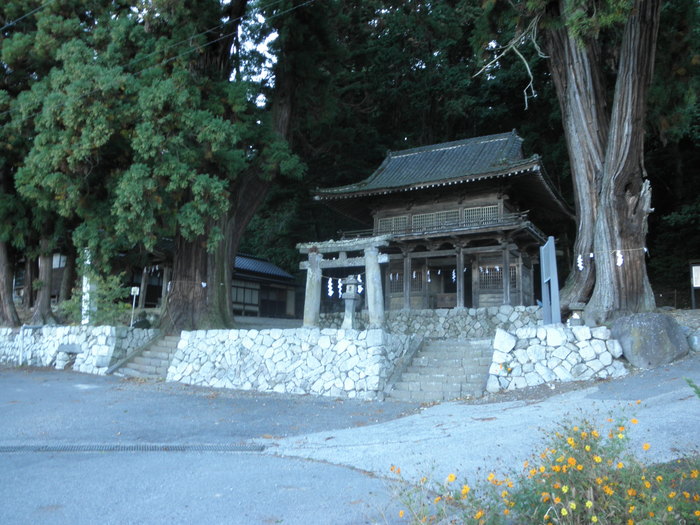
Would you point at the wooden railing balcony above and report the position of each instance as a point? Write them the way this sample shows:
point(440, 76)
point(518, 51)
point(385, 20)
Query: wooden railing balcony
point(506, 221)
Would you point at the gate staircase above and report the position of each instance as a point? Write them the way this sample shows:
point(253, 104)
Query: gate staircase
point(445, 369)
point(153, 362)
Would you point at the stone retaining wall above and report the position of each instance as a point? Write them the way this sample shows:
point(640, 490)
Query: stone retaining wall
point(534, 355)
point(454, 323)
point(300, 361)
point(95, 348)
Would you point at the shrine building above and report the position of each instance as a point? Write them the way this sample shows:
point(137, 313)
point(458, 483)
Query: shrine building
point(452, 225)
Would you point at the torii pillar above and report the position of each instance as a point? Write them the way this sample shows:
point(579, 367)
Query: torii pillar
point(375, 298)
point(312, 299)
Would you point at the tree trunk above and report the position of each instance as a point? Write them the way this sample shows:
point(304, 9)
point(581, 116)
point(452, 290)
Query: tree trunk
point(622, 285)
point(576, 73)
point(28, 293)
point(68, 278)
point(8, 312)
point(187, 307)
point(42, 309)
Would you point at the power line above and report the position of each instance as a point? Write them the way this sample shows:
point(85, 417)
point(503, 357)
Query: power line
point(30, 13)
point(191, 49)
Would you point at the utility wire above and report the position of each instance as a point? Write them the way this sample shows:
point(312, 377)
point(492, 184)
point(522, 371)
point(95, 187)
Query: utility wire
point(191, 49)
point(30, 13)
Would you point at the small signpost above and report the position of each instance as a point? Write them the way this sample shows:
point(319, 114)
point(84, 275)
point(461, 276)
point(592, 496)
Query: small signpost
point(551, 312)
point(135, 293)
point(694, 281)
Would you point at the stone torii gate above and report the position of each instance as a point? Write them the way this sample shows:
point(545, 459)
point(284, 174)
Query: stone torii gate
point(370, 260)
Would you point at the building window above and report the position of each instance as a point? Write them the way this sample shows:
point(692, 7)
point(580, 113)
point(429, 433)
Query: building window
point(491, 277)
point(480, 215)
point(392, 224)
point(59, 261)
point(428, 221)
point(395, 282)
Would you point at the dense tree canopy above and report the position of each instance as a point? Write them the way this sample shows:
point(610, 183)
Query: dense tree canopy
point(126, 122)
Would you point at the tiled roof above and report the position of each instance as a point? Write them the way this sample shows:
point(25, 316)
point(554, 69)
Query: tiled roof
point(442, 164)
point(246, 263)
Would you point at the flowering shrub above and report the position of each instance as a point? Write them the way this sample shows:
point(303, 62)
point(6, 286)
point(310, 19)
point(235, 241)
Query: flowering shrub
point(583, 476)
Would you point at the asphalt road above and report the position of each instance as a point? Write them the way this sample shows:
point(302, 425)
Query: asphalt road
point(141, 477)
point(127, 452)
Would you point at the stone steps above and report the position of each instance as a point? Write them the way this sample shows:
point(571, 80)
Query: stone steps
point(153, 362)
point(445, 369)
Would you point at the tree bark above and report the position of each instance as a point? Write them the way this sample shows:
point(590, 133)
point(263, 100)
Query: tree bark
point(8, 312)
point(42, 309)
point(622, 285)
point(577, 75)
point(68, 277)
point(29, 294)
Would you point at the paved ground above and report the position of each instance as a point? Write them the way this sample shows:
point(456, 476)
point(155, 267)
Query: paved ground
point(281, 459)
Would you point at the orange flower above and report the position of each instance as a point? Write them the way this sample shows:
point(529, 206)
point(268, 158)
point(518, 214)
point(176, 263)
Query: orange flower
point(401, 514)
point(646, 446)
point(634, 421)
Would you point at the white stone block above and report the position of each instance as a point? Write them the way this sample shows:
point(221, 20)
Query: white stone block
point(600, 332)
point(606, 358)
point(617, 369)
point(496, 369)
point(614, 347)
point(581, 333)
point(500, 357)
point(324, 342)
point(561, 353)
point(533, 379)
point(492, 384)
point(503, 341)
point(542, 334)
point(521, 355)
point(562, 373)
point(537, 353)
point(595, 365)
point(599, 346)
point(587, 352)
point(545, 372)
point(556, 335)
point(526, 332)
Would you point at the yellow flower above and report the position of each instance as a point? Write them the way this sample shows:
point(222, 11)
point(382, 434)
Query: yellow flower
point(564, 512)
point(647, 484)
point(608, 490)
point(669, 508)
point(479, 514)
point(571, 442)
point(631, 509)
point(597, 459)
point(671, 495)
point(465, 490)
point(630, 522)
point(542, 469)
point(646, 446)
point(595, 434)
point(584, 435)
point(579, 467)
point(565, 489)
point(437, 499)
point(621, 436)
point(694, 473)
point(401, 513)
point(589, 504)
point(697, 513)
point(572, 505)
point(659, 479)
point(506, 511)
point(491, 476)
point(588, 448)
point(631, 493)
point(620, 464)
point(423, 480)
point(594, 519)
point(451, 478)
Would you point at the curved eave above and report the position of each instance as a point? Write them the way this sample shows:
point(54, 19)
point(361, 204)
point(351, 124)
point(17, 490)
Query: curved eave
point(532, 165)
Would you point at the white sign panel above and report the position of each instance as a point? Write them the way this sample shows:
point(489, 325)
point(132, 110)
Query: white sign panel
point(135, 290)
point(696, 276)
